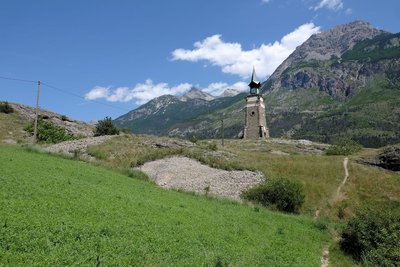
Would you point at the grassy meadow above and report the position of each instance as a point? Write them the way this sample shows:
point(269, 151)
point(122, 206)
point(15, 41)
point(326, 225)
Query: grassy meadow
point(321, 175)
point(57, 211)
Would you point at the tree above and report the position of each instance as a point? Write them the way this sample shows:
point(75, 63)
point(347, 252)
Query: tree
point(6, 108)
point(106, 127)
point(48, 132)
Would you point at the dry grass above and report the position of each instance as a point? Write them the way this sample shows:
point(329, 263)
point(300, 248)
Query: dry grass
point(11, 128)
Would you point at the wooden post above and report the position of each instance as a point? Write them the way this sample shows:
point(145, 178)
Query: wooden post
point(222, 129)
point(36, 115)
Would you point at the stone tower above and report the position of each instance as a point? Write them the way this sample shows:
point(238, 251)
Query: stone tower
point(255, 123)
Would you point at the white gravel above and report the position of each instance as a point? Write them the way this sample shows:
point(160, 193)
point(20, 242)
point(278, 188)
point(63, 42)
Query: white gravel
point(80, 145)
point(190, 175)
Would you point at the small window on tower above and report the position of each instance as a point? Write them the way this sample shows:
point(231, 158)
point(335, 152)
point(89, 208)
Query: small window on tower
point(252, 113)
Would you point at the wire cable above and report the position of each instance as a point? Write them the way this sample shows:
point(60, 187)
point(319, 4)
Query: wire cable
point(16, 79)
point(62, 91)
point(79, 96)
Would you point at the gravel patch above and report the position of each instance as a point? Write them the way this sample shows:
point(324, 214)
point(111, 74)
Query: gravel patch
point(190, 175)
point(68, 147)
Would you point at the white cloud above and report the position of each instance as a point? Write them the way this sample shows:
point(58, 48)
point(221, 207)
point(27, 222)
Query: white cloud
point(140, 93)
point(265, 1)
point(349, 11)
point(143, 92)
point(234, 60)
point(334, 5)
point(97, 92)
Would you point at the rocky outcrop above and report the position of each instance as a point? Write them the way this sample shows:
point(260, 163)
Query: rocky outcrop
point(325, 45)
point(318, 62)
point(389, 159)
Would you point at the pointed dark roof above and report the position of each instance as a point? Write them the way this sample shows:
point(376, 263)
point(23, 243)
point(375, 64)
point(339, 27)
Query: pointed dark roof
point(254, 83)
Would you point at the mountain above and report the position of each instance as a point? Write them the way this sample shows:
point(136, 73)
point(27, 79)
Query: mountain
point(195, 93)
point(328, 87)
point(229, 92)
point(170, 115)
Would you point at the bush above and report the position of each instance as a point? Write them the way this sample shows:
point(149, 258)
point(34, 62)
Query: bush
point(48, 132)
point(373, 237)
point(6, 108)
point(285, 194)
point(106, 127)
point(343, 146)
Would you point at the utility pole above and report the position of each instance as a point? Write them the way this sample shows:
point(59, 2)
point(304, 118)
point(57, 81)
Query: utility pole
point(222, 129)
point(36, 114)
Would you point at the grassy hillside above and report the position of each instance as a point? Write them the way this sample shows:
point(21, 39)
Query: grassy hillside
point(161, 121)
point(371, 117)
point(12, 127)
point(321, 175)
point(62, 212)
point(366, 187)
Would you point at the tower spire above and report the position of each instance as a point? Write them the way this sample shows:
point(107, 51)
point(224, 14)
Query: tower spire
point(254, 77)
point(254, 84)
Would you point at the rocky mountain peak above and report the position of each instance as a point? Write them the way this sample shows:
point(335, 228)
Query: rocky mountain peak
point(324, 45)
point(229, 92)
point(195, 93)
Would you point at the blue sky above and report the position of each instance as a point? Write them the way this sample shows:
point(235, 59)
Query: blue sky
point(104, 58)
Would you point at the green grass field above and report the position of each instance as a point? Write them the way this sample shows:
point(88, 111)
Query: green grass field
point(60, 212)
point(321, 175)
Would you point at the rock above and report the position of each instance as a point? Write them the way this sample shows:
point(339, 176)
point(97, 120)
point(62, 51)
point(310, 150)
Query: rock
point(9, 141)
point(306, 67)
point(389, 159)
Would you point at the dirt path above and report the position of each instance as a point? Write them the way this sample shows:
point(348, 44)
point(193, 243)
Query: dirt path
point(190, 175)
point(325, 257)
point(346, 176)
point(325, 250)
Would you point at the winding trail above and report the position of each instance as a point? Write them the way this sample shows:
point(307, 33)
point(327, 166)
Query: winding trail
point(325, 250)
point(346, 176)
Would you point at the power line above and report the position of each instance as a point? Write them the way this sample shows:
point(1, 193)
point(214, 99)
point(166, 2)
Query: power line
point(79, 96)
point(16, 79)
point(62, 91)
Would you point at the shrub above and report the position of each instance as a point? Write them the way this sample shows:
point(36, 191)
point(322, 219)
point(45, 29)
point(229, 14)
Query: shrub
point(6, 108)
point(212, 146)
point(106, 127)
point(285, 194)
point(343, 146)
point(373, 237)
point(48, 132)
